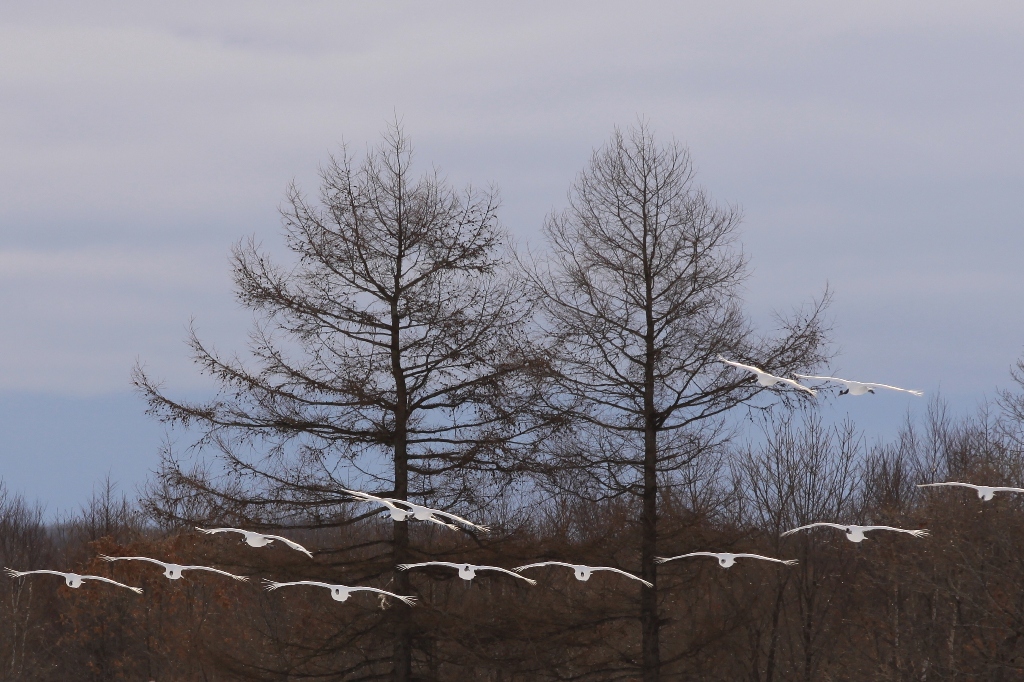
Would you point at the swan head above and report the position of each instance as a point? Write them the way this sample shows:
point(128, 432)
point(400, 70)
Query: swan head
point(766, 380)
point(582, 572)
point(339, 593)
point(173, 572)
point(73, 580)
point(466, 572)
point(726, 560)
point(855, 534)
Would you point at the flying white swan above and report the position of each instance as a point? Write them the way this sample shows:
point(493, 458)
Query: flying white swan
point(856, 533)
point(254, 539)
point(766, 379)
point(859, 387)
point(466, 571)
point(417, 511)
point(725, 559)
point(341, 592)
point(73, 579)
point(173, 571)
point(985, 492)
point(582, 572)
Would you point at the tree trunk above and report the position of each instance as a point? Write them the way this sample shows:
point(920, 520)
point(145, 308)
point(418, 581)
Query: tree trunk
point(769, 673)
point(400, 548)
point(649, 547)
point(649, 624)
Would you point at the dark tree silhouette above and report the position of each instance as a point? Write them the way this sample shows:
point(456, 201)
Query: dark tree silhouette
point(389, 355)
point(639, 295)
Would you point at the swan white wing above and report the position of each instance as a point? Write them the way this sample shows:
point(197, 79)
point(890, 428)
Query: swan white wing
point(916, 533)
point(788, 562)
point(665, 560)
point(894, 388)
point(815, 525)
point(459, 519)
point(406, 567)
point(947, 483)
point(620, 572)
point(241, 578)
point(291, 543)
point(813, 376)
point(136, 590)
point(794, 384)
point(367, 497)
point(213, 531)
point(411, 601)
point(1005, 489)
point(17, 574)
point(271, 585)
point(749, 368)
point(517, 569)
point(133, 558)
point(505, 570)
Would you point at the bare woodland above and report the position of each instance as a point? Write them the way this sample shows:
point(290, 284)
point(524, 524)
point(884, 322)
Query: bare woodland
point(569, 398)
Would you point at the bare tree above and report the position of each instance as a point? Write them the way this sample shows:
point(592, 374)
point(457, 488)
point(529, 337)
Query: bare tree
point(389, 354)
point(639, 295)
point(803, 473)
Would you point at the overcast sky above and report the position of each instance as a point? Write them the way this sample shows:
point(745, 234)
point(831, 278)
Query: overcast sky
point(876, 147)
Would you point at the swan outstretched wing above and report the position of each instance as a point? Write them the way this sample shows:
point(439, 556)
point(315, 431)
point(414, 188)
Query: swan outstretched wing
point(749, 368)
point(794, 384)
point(505, 570)
point(133, 558)
point(136, 590)
point(620, 572)
point(17, 574)
point(213, 531)
point(517, 569)
point(411, 601)
point(459, 519)
point(849, 382)
point(788, 562)
point(665, 560)
point(271, 585)
point(845, 529)
point(1005, 489)
point(291, 543)
point(812, 376)
point(916, 533)
point(948, 483)
point(895, 388)
point(406, 567)
point(240, 578)
point(367, 497)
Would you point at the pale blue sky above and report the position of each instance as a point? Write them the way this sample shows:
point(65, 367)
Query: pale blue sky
point(873, 147)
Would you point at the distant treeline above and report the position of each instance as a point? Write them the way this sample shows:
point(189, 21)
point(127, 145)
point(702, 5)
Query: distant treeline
point(950, 606)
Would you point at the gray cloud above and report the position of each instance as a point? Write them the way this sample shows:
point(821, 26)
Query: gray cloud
point(872, 146)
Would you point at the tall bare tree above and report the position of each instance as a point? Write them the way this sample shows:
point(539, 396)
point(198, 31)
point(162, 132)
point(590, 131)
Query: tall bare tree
point(388, 354)
point(639, 295)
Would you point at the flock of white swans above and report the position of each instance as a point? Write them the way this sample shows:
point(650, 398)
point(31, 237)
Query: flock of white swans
point(402, 510)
